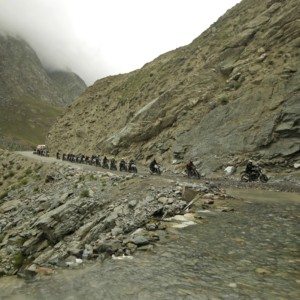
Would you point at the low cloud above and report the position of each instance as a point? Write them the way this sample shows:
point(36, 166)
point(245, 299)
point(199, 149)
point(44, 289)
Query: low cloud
point(97, 38)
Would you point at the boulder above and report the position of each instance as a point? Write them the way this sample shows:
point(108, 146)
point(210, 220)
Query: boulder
point(65, 219)
point(189, 193)
point(140, 240)
point(230, 170)
point(107, 246)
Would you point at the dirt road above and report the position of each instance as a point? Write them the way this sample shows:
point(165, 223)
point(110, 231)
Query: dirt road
point(280, 184)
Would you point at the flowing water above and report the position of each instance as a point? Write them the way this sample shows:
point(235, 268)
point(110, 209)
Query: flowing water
point(249, 253)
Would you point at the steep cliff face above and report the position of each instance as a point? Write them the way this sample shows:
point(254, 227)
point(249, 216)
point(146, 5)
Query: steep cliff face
point(232, 93)
point(68, 85)
point(30, 97)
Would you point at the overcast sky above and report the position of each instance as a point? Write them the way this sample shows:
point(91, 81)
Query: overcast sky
point(96, 38)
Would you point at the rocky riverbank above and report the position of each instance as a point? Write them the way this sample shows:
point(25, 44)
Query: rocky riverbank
point(56, 215)
point(247, 252)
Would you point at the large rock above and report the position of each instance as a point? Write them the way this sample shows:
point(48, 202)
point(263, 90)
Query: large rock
point(140, 240)
point(66, 218)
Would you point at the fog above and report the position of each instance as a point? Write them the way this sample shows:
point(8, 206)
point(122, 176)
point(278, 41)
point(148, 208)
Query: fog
point(105, 37)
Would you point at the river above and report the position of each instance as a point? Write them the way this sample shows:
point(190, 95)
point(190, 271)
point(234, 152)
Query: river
point(249, 253)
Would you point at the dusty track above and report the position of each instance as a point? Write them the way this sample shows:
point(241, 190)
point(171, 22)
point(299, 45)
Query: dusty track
point(142, 170)
point(276, 185)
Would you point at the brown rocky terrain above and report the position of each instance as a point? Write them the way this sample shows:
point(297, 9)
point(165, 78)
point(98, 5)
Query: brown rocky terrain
point(56, 214)
point(231, 94)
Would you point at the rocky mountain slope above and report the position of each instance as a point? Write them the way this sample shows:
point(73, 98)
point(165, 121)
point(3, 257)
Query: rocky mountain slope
point(232, 94)
point(30, 96)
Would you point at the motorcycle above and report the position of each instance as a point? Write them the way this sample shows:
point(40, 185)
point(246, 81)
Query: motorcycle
point(113, 167)
point(132, 168)
point(123, 167)
point(255, 175)
point(193, 173)
point(105, 165)
point(156, 170)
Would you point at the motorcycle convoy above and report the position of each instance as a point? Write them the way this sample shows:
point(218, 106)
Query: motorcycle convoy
point(41, 150)
point(252, 173)
point(95, 160)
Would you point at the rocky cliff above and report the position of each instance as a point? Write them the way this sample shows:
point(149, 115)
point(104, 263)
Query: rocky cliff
point(30, 96)
point(233, 93)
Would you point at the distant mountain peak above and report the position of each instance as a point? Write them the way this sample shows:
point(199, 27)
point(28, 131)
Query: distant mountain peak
point(28, 92)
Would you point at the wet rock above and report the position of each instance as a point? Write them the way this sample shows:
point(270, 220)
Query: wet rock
point(163, 200)
point(202, 214)
point(209, 201)
point(146, 248)
point(230, 170)
point(161, 226)
point(131, 247)
point(87, 252)
point(140, 240)
point(189, 193)
point(26, 274)
point(170, 201)
point(73, 262)
point(227, 209)
point(208, 196)
point(151, 226)
point(109, 247)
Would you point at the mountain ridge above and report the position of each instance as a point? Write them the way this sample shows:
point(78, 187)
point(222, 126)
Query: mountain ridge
point(229, 95)
point(31, 97)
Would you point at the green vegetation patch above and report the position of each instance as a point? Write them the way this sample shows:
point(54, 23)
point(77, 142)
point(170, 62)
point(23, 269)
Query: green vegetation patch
point(18, 260)
point(84, 194)
point(27, 121)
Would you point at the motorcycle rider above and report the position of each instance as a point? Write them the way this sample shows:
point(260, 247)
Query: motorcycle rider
point(131, 165)
point(250, 167)
point(113, 164)
point(154, 167)
point(253, 172)
point(190, 167)
point(105, 162)
point(122, 165)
